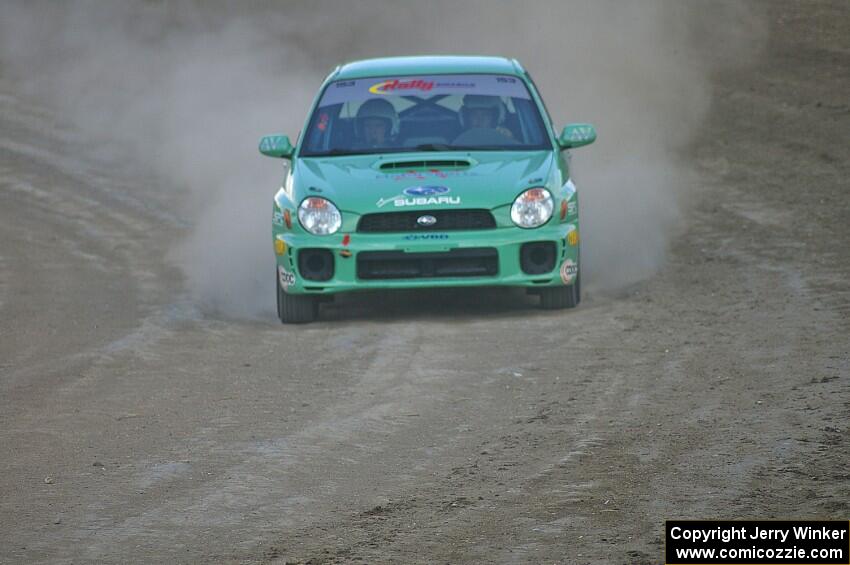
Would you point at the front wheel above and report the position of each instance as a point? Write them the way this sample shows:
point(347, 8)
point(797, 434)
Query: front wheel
point(558, 297)
point(295, 308)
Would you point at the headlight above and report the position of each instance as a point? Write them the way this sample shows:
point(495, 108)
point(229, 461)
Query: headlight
point(532, 208)
point(319, 216)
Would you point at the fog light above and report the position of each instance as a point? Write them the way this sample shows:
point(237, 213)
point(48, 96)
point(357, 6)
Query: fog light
point(538, 257)
point(316, 264)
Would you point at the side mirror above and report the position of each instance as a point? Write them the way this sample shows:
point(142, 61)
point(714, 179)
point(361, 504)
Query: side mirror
point(276, 146)
point(576, 135)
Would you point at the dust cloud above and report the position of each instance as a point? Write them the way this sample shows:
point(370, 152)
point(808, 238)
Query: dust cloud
point(183, 90)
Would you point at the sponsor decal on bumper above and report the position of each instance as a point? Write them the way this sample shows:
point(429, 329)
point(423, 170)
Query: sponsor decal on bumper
point(569, 270)
point(287, 279)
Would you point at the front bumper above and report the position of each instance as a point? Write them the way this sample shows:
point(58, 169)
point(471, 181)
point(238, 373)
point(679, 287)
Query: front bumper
point(505, 243)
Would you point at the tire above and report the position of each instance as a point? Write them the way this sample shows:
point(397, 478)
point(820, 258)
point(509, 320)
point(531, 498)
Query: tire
point(559, 297)
point(577, 284)
point(295, 308)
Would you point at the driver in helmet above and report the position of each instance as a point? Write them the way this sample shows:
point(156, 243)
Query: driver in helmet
point(479, 111)
point(376, 124)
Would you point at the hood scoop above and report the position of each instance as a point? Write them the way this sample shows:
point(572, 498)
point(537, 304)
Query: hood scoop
point(427, 164)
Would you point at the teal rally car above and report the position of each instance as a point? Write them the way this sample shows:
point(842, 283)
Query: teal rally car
point(416, 172)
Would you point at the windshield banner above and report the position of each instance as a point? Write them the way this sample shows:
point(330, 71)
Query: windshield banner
point(423, 87)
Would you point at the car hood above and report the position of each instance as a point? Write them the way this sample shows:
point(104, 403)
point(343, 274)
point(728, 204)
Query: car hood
point(410, 181)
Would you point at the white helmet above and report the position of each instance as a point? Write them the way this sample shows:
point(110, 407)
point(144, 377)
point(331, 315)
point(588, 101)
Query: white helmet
point(483, 102)
point(377, 108)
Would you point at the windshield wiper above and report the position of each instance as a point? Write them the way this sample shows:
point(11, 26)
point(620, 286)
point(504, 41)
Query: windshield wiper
point(339, 151)
point(433, 147)
point(336, 152)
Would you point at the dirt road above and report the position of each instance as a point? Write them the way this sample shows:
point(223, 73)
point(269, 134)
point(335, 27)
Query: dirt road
point(438, 427)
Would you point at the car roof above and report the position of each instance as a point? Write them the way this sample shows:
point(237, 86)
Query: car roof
point(427, 65)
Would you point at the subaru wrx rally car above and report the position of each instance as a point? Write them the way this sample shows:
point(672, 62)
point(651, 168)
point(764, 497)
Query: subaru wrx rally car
point(419, 172)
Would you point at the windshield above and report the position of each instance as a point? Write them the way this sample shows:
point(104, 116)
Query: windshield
point(425, 113)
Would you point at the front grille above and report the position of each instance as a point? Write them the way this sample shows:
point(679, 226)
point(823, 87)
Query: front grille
point(383, 265)
point(446, 220)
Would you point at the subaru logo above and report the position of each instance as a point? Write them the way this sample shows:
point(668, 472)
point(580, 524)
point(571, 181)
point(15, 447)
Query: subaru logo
point(426, 220)
point(425, 190)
